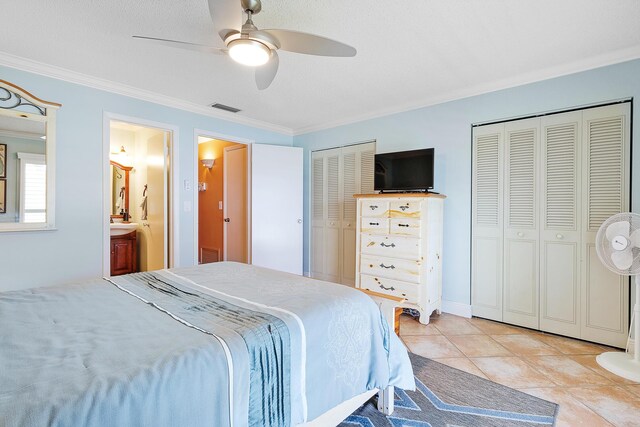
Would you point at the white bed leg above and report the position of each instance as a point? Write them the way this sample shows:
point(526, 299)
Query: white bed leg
point(385, 400)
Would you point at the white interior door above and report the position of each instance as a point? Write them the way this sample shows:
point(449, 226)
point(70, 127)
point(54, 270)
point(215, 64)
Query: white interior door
point(605, 185)
point(276, 207)
point(235, 204)
point(560, 228)
point(487, 242)
point(521, 256)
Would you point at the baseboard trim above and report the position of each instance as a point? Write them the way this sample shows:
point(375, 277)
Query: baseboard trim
point(456, 308)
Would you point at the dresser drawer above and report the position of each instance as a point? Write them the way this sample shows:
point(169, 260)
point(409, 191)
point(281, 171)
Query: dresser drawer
point(374, 225)
point(391, 268)
point(397, 288)
point(374, 208)
point(406, 209)
point(390, 246)
point(404, 226)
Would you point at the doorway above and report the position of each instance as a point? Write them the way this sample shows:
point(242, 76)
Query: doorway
point(139, 215)
point(223, 201)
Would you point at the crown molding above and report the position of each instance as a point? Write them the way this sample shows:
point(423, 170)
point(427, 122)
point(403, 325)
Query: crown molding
point(70, 76)
point(610, 58)
point(21, 135)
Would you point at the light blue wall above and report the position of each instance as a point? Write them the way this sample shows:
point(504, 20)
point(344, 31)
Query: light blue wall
point(447, 127)
point(74, 251)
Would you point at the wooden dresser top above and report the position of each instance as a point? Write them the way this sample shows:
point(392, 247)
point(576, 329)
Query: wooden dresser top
point(396, 195)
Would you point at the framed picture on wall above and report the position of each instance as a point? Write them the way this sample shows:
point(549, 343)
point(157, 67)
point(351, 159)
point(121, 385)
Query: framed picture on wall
point(3, 196)
point(3, 160)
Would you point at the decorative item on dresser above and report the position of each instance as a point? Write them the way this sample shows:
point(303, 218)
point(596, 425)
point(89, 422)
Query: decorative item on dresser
point(399, 248)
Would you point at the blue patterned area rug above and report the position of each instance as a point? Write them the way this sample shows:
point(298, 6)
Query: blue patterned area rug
point(446, 396)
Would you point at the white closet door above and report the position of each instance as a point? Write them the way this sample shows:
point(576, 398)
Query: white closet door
point(487, 213)
point(560, 235)
point(357, 178)
point(521, 231)
point(332, 225)
point(606, 162)
point(318, 212)
point(276, 207)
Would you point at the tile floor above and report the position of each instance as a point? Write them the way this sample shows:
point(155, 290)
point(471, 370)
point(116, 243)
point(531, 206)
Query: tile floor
point(558, 369)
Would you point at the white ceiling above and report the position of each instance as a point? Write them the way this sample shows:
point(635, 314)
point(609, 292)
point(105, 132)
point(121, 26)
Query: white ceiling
point(409, 53)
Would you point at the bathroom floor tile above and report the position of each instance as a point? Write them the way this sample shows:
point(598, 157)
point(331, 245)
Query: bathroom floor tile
point(478, 346)
point(433, 347)
point(565, 371)
point(524, 344)
point(613, 403)
point(511, 371)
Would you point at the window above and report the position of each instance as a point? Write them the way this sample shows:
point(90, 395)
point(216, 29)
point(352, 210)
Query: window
point(33, 187)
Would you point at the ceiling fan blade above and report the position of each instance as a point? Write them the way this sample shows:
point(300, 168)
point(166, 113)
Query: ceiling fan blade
point(623, 259)
point(226, 16)
point(310, 44)
point(184, 45)
point(266, 73)
point(620, 228)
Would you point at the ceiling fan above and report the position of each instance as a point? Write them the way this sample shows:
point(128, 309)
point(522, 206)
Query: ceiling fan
point(257, 48)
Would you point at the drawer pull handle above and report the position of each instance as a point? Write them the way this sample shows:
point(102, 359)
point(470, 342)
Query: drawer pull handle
point(393, 245)
point(374, 223)
point(387, 266)
point(403, 225)
point(391, 288)
point(404, 208)
point(373, 207)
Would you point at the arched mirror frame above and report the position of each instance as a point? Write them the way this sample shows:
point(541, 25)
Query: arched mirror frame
point(126, 170)
point(13, 102)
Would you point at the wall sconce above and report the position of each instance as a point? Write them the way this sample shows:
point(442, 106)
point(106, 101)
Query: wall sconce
point(208, 163)
point(121, 157)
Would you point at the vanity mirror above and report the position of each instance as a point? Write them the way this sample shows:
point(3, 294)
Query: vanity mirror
point(119, 189)
point(27, 160)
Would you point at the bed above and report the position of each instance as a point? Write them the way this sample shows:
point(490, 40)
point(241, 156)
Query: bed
point(222, 344)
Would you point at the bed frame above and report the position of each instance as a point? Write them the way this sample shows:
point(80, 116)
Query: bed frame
point(335, 416)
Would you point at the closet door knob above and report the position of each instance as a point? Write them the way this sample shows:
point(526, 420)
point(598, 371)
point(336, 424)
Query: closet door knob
point(299, 221)
point(559, 236)
point(520, 234)
point(227, 220)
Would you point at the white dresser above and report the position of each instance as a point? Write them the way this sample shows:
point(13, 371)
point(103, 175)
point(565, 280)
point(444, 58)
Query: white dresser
point(399, 248)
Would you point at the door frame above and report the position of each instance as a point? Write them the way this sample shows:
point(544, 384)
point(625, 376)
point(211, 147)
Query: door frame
point(173, 203)
point(196, 221)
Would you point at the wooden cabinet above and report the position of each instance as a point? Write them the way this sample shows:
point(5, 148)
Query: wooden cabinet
point(399, 248)
point(124, 254)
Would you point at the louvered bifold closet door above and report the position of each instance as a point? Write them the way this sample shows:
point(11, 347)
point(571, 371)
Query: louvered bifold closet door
point(521, 230)
point(318, 213)
point(487, 222)
point(325, 262)
point(560, 213)
point(606, 163)
point(357, 178)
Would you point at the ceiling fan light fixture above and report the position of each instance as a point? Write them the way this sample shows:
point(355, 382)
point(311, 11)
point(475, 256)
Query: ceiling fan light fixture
point(249, 52)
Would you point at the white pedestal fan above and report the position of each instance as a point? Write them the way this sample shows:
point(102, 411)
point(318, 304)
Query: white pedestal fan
point(618, 246)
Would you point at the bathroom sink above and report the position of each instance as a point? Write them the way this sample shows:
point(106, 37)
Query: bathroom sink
point(120, 228)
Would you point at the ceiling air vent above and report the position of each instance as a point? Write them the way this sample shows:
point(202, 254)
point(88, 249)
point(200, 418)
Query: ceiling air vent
point(225, 108)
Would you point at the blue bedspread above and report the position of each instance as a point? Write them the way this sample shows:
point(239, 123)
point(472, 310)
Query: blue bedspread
point(96, 355)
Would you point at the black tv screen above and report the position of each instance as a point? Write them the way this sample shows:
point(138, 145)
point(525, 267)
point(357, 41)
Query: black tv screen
point(404, 170)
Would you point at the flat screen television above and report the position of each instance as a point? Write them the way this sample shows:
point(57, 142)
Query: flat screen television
point(404, 171)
